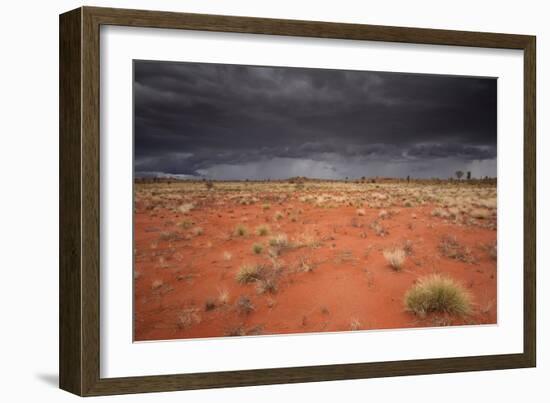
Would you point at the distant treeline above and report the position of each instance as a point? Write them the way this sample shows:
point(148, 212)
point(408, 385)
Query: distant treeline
point(302, 180)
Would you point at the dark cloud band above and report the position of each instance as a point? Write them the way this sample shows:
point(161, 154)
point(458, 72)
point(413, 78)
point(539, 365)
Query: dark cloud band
point(196, 119)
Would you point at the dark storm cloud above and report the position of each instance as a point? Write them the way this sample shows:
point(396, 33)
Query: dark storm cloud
point(227, 121)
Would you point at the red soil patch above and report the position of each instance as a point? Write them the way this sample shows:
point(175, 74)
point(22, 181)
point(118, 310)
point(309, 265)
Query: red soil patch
point(350, 286)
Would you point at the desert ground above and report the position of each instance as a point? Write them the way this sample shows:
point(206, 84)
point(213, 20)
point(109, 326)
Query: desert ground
point(214, 259)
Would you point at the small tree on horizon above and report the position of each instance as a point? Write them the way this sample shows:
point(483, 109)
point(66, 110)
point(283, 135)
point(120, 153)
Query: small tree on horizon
point(469, 175)
point(459, 174)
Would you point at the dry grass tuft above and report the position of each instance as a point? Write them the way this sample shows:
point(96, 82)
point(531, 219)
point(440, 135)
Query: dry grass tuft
point(244, 305)
point(306, 240)
point(304, 265)
point(436, 293)
point(156, 284)
point(395, 257)
point(262, 230)
point(257, 248)
point(451, 248)
point(378, 229)
point(249, 273)
point(209, 304)
point(267, 285)
point(481, 213)
point(197, 231)
point(169, 236)
point(360, 212)
point(241, 230)
point(279, 241)
point(235, 331)
point(188, 317)
point(186, 208)
point(355, 324)
point(186, 224)
point(408, 247)
point(223, 296)
point(439, 212)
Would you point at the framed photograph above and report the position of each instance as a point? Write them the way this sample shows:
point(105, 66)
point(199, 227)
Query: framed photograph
point(249, 201)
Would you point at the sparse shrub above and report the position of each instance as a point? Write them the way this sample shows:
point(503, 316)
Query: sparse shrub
point(395, 257)
point(197, 231)
point(186, 224)
point(209, 304)
point(241, 230)
point(209, 185)
point(490, 204)
point(186, 208)
point(270, 302)
point(383, 214)
point(235, 331)
point(239, 330)
point(257, 248)
point(454, 212)
point(169, 236)
point(156, 284)
point(451, 248)
point(360, 212)
point(266, 206)
point(439, 212)
point(304, 265)
point(355, 324)
point(267, 285)
point(480, 213)
point(255, 330)
point(378, 228)
point(436, 293)
point(279, 241)
point(262, 230)
point(223, 296)
point(244, 305)
point(249, 273)
point(307, 240)
point(408, 247)
point(278, 215)
point(188, 317)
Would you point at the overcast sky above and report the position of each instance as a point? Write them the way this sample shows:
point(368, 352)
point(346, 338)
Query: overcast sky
point(237, 122)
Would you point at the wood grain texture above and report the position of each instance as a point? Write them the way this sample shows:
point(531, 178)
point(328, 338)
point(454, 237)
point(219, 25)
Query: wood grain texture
point(70, 314)
point(530, 203)
point(80, 201)
point(221, 23)
point(90, 202)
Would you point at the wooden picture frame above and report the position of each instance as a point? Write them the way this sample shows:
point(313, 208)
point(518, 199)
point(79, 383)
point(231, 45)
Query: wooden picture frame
point(79, 201)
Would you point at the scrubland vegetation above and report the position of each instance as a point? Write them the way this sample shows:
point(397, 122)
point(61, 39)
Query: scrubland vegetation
point(239, 258)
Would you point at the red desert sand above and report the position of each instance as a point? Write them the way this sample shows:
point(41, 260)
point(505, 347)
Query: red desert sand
point(217, 259)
